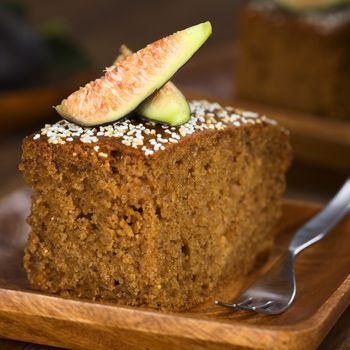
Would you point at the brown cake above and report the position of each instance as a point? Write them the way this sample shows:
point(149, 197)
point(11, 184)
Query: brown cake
point(300, 61)
point(145, 214)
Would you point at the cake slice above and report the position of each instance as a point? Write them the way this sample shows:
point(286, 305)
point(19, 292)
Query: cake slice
point(304, 64)
point(151, 215)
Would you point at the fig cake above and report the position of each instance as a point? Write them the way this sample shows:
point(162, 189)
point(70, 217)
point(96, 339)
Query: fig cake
point(145, 214)
point(298, 60)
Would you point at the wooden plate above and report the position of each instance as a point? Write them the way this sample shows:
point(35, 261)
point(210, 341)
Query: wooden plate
point(323, 276)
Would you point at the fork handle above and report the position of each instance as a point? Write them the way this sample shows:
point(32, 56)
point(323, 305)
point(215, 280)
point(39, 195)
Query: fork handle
point(319, 226)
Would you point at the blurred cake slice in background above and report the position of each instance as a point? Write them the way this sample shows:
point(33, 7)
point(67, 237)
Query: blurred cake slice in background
point(296, 57)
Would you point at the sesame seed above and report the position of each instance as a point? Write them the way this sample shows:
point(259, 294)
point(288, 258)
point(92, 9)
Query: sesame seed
point(268, 120)
point(249, 114)
point(148, 152)
point(148, 136)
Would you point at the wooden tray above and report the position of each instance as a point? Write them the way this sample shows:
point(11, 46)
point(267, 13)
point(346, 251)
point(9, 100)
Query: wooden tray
point(323, 275)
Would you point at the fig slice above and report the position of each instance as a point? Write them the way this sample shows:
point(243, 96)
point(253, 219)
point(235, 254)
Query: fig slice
point(167, 105)
point(310, 5)
point(124, 86)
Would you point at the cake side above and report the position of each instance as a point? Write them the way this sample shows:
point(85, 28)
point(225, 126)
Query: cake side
point(154, 223)
point(304, 63)
point(219, 210)
point(86, 219)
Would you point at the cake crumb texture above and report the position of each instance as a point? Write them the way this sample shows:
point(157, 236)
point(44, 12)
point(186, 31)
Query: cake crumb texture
point(159, 230)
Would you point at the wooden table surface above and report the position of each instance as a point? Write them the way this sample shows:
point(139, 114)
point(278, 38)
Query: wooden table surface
point(103, 26)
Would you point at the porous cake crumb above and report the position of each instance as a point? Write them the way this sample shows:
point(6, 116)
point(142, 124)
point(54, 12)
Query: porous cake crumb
point(145, 214)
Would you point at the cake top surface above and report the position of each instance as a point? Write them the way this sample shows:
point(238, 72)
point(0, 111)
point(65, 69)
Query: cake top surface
point(326, 21)
point(149, 136)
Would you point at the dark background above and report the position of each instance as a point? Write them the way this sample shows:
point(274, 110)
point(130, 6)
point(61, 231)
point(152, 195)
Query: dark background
point(100, 27)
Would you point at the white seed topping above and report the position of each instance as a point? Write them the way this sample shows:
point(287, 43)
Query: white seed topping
point(148, 136)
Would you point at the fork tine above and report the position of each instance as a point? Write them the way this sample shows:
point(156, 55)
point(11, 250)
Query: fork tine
point(261, 306)
point(264, 306)
point(234, 305)
point(220, 303)
point(245, 308)
point(245, 302)
point(256, 307)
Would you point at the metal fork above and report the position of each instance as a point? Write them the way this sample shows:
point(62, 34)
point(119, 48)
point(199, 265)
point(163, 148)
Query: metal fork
point(275, 291)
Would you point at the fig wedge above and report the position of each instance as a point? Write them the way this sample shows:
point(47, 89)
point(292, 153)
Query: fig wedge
point(124, 86)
